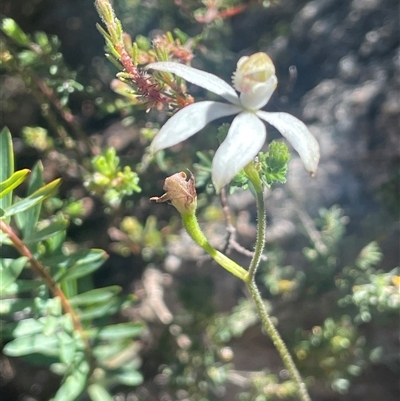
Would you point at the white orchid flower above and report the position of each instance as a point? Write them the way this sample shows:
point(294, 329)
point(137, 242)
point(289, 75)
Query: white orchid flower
point(256, 81)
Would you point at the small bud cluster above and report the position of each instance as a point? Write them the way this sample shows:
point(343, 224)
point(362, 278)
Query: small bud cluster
point(153, 91)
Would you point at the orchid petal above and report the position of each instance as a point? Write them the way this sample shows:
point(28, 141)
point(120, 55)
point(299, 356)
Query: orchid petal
point(200, 78)
point(245, 138)
point(296, 132)
point(259, 95)
point(188, 121)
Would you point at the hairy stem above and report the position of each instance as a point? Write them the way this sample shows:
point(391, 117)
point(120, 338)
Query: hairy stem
point(277, 341)
point(260, 240)
point(255, 180)
point(273, 333)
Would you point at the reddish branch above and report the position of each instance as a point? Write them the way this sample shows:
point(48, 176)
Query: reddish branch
point(50, 283)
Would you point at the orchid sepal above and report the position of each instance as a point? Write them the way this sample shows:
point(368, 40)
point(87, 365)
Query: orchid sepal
point(189, 121)
point(200, 78)
point(245, 138)
point(298, 135)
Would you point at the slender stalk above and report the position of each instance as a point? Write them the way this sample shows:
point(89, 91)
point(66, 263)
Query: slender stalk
point(181, 192)
point(277, 341)
point(192, 227)
point(254, 178)
point(260, 239)
point(273, 333)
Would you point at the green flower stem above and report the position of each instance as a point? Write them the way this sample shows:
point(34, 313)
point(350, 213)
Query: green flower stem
point(191, 225)
point(277, 341)
point(273, 333)
point(254, 178)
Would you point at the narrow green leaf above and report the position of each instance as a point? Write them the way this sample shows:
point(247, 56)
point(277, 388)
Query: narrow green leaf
point(101, 310)
point(26, 221)
point(59, 369)
point(21, 286)
point(47, 232)
point(67, 323)
point(95, 296)
point(109, 349)
point(62, 261)
point(50, 326)
point(29, 344)
point(21, 205)
point(10, 183)
point(8, 306)
point(36, 178)
point(27, 58)
point(38, 196)
point(6, 164)
point(55, 243)
point(116, 331)
point(12, 30)
point(98, 393)
point(130, 378)
point(67, 347)
point(4, 240)
point(25, 327)
point(10, 269)
point(69, 287)
point(74, 384)
point(93, 259)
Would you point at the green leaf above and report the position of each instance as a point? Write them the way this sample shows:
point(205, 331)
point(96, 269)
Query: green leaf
point(6, 164)
point(50, 326)
point(95, 296)
point(21, 286)
point(38, 196)
point(4, 239)
point(8, 306)
point(116, 331)
point(74, 384)
point(25, 327)
point(29, 344)
point(67, 347)
point(12, 30)
point(27, 58)
point(98, 393)
point(67, 323)
point(26, 221)
point(90, 261)
point(101, 310)
point(110, 350)
point(54, 244)
point(62, 261)
point(10, 183)
point(10, 269)
point(47, 232)
point(130, 378)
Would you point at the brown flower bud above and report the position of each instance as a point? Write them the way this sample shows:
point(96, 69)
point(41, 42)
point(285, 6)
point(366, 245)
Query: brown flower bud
point(180, 191)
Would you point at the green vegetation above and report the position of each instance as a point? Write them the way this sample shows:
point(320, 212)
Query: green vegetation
point(100, 286)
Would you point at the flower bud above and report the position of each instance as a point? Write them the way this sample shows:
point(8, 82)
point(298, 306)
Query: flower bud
point(255, 79)
point(180, 191)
